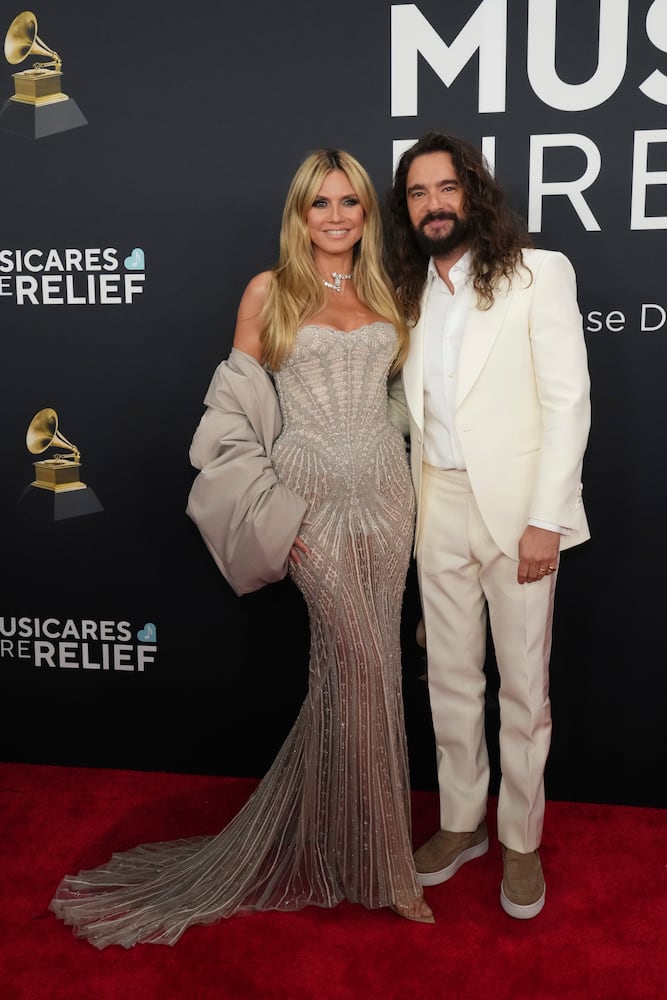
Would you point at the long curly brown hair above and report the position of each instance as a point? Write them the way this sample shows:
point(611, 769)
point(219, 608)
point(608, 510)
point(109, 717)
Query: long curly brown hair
point(498, 234)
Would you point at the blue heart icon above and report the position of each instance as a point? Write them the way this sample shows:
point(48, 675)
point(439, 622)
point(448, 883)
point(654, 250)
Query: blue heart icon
point(136, 261)
point(148, 633)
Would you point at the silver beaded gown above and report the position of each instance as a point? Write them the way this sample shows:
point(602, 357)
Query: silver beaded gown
point(331, 818)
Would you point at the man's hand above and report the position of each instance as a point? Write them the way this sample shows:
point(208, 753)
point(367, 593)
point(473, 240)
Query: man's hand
point(538, 554)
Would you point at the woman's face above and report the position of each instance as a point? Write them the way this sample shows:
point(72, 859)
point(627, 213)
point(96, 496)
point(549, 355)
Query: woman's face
point(335, 220)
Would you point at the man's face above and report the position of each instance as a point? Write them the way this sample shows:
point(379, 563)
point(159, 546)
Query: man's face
point(435, 202)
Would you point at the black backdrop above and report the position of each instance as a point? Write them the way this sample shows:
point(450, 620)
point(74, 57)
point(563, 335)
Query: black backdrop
point(196, 121)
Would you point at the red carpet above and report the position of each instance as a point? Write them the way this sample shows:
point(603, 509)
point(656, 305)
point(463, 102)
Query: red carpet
point(601, 936)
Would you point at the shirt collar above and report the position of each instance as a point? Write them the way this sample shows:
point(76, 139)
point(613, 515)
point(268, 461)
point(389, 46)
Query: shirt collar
point(459, 272)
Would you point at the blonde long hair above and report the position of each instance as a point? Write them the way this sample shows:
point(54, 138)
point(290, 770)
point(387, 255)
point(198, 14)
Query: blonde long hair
point(295, 290)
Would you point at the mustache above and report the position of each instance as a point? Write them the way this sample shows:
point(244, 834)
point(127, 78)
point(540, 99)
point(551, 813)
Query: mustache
point(438, 217)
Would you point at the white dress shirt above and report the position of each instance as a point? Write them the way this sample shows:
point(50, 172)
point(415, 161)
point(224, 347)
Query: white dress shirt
point(445, 320)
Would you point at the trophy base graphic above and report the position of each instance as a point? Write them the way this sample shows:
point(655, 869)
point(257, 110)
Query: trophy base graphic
point(35, 121)
point(45, 505)
point(57, 493)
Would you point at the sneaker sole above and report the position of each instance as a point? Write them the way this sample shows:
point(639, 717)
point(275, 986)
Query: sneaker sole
point(435, 878)
point(522, 912)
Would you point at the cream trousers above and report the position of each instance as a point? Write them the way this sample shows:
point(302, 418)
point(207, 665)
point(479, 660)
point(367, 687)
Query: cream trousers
point(462, 573)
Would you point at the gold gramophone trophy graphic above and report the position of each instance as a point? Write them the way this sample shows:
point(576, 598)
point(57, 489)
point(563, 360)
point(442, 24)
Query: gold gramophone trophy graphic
point(56, 492)
point(38, 107)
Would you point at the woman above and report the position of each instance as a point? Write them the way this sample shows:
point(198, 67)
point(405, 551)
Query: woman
point(331, 819)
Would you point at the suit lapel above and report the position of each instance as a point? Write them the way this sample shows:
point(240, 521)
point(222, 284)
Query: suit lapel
point(413, 372)
point(482, 328)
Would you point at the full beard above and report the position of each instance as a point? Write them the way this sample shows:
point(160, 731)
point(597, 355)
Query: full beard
point(442, 246)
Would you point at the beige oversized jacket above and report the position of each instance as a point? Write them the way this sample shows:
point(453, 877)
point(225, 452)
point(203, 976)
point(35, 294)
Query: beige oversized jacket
point(247, 519)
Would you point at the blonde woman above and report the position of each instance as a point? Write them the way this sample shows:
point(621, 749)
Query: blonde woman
point(313, 481)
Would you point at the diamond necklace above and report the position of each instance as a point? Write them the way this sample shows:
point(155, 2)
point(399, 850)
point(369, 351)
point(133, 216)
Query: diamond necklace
point(337, 280)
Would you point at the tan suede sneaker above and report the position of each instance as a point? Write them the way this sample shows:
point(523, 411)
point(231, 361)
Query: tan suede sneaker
point(442, 856)
point(522, 891)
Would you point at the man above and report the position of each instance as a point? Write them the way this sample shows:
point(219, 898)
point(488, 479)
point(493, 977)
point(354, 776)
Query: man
point(497, 392)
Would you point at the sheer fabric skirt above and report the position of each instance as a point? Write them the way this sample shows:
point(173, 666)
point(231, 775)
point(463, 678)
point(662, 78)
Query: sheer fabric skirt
point(331, 818)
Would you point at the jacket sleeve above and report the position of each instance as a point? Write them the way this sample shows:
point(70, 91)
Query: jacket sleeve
point(247, 519)
point(563, 387)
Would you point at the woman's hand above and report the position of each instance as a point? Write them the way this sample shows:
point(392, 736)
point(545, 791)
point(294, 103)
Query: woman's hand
point(296, 550)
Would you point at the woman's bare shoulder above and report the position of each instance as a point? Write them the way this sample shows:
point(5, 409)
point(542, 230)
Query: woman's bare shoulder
point(248, 332)
point(254, 295)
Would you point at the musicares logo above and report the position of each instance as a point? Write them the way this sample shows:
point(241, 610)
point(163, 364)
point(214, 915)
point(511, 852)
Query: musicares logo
point(622, 55)
point(82, 644)
point(72, 277)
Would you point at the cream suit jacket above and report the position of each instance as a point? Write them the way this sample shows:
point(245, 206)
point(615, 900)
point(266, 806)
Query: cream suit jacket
point(522, 405)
